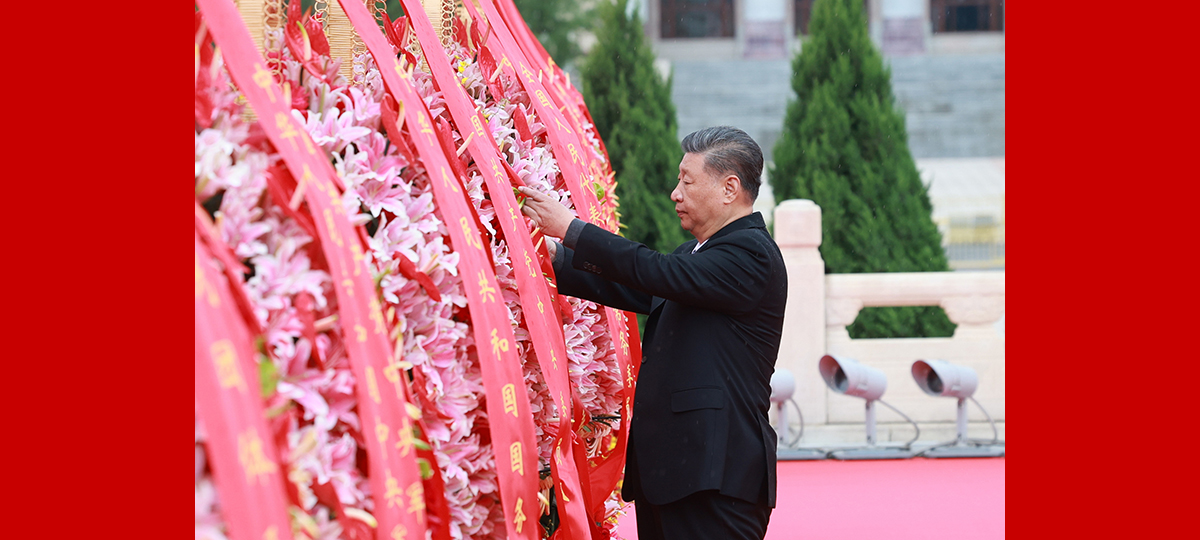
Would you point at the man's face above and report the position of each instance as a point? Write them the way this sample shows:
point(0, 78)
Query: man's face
point(697, 197)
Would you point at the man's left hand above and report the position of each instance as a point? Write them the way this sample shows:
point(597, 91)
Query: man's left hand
point(549, 214)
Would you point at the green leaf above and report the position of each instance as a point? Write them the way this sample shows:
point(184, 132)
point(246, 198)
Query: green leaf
point(426, 470)
point(268, 376)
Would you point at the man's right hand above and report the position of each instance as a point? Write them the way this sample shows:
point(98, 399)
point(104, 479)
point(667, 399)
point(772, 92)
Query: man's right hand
point(549, 214)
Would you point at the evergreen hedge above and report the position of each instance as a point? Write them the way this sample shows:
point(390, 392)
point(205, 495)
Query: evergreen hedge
point(844, 146)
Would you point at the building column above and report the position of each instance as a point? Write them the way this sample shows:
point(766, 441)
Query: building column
point(765, 29)
point(905, 26)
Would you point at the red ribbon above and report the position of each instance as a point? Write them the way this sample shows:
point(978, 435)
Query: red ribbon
point(509, 416)
point(609, 470)
point(244, 458)
point(537, 302)
point(565, 144)
point(233, 267)
point(576, 164)
point(566, 98)
point(387, 430)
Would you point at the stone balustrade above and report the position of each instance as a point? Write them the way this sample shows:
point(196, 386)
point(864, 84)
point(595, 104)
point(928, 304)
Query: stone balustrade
point(820, 307)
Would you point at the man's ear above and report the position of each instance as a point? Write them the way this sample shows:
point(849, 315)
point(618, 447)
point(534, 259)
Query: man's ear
point(731, 189)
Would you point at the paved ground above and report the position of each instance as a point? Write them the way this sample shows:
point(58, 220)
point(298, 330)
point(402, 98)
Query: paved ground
point(928, 499)
point(964, 188)
point(968, 206)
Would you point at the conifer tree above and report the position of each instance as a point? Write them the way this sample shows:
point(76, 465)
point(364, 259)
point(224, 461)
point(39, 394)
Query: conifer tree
point(555, 23)
point(631, 105)
point(845, 147)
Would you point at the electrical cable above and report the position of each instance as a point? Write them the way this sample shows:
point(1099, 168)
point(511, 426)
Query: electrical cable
point(780, 427)
point(907, 445)
point(995, 433)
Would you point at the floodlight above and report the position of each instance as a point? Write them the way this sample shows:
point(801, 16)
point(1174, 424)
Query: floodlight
point(783, 386)
point(941, 378)
point(847, 376)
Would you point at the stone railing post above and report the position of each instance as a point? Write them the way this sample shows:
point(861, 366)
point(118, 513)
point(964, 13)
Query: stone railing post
point(798, 234)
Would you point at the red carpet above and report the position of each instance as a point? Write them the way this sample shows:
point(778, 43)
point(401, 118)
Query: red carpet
point(926, 499)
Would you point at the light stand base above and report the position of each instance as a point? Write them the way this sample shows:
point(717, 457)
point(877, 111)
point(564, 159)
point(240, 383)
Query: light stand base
point(871, 453)
point(964, 451)
point(796, 454)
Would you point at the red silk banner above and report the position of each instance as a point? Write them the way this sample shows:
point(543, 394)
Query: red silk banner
point(565, 97)
point(608, 471)
point(565, 143)
point(568, 99)
point(509, 417)
point(242, 452)
point(545, 328)
point(387, 428)
point(559, 84)
point(582, 175)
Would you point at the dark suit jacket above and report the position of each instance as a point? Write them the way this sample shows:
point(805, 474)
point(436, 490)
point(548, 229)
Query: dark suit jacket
point(710, 344)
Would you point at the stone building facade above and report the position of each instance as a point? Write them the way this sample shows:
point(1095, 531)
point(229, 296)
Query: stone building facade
point(731, 61)
point(731, 64)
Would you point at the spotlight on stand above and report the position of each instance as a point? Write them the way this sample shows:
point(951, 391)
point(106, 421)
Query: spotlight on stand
point(783, 385)
point(941, 378)
point(847, 376)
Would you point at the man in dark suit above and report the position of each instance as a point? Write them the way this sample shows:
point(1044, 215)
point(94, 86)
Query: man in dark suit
point(701, 454)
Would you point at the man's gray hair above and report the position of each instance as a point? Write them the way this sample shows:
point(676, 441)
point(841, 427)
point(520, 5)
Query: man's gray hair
point(728, 150)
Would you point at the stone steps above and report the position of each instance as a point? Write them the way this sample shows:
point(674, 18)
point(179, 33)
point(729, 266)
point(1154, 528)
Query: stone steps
point(954, 105)
point(751, 95)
